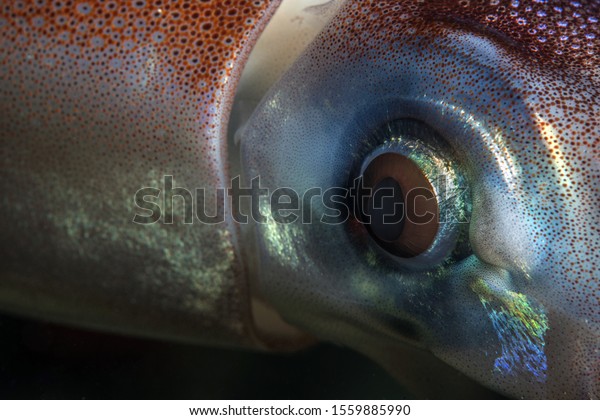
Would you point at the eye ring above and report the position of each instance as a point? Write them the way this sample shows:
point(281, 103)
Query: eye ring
point(414, 220)
point(428, 179)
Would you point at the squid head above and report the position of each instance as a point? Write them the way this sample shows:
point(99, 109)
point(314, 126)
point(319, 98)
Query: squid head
point(425, 179)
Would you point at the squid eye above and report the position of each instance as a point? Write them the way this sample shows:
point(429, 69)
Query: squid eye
point(400, 212)
point(412, 197)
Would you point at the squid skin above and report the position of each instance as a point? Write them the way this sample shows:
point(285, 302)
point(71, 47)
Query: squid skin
point(512, 87)
point(101, 98)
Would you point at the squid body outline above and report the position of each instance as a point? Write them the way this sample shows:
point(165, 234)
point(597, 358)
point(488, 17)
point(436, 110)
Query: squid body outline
point(102, 98)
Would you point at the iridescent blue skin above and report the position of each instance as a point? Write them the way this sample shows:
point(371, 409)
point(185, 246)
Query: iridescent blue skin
point(509, 299)
point(518, 311)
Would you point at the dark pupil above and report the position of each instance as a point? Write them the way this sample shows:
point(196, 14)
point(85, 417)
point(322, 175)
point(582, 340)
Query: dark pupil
point(386, 210)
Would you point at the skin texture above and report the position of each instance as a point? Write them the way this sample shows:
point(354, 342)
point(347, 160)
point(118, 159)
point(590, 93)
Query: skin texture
point(100, 99)
point(512, 89)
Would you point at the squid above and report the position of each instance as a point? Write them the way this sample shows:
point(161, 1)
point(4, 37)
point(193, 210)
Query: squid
point(122, 120)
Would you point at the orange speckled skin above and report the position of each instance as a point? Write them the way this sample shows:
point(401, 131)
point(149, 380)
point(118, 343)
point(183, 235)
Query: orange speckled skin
point(98, 99)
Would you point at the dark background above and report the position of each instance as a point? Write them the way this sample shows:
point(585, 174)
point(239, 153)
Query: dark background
point(42, 360)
